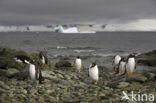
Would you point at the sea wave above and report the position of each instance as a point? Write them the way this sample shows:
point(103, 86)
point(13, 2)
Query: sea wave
point(61, 47)
point(103, 55)
point(83, 51)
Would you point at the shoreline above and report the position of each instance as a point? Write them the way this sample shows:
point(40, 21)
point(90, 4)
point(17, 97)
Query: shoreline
point(63, 84)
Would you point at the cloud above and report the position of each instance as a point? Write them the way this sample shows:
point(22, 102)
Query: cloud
point(22, 12)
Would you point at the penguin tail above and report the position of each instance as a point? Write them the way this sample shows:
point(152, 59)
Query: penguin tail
point(46, 60)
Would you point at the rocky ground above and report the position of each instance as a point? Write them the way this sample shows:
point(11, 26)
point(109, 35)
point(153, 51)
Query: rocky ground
point(63, 85)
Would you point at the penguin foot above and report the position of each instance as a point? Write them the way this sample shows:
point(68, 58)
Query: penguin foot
point(78, 71)
point(94, 82)
point(129, 73)
point(122, 73)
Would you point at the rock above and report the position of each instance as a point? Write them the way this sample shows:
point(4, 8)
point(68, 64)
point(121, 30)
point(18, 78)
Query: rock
point(66, 97)
point(150, 76)
point(61, 64)
point(67, 77)
point(49, 66)
point(106, 88)
point(24, 91)
point(148, 58)
point(5, 51)
point(6, 62)
point(23, 75)
point(12, 72)
point(3, 90)
point(122, 85)
point(3, 73)
point(48, 74)
point(136, 78)
point(62, 86)
point(59, 76)
point(131, 102)
point(4, 86)
point(147, 62)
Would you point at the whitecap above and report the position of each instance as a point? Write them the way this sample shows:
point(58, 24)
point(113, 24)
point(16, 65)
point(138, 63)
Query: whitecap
point(83, 51)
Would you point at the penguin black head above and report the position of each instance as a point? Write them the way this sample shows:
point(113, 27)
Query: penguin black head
point(78, 57)
point(93, 64)
point(42, 53)
point(132, 55)
point(32, 61)
point(122, 59)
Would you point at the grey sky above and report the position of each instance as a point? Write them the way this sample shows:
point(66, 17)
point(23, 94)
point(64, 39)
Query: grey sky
point(24, 12)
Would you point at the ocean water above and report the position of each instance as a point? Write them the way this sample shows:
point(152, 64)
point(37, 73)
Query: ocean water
point(99, 47)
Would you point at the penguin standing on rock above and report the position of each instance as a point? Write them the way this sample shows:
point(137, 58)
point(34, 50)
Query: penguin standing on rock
point(43, 57)
point(131, 65)
point(94, 73)
point(35, 71)
point(122, 66)
point(78, 64)
point(116, 61)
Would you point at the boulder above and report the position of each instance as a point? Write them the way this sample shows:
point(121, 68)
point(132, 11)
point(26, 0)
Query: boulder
point(123, 84)
point(12, 72)
point(150, 76)
point(61, 64)
point(4, 86)
point(148, 58)
point(136, 78)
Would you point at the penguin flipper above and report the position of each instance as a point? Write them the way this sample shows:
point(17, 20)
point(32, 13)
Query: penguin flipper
point(46, 60)
point(40, 77)
point(125, 70)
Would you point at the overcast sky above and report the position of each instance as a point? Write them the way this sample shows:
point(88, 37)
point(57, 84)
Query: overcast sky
point(36, 12)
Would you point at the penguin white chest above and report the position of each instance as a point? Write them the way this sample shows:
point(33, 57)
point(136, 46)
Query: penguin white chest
point(32, 71)
point(43, 60)
point(117, 59)
point(131, 64)
point(94, 73)
point(78, 63)
point(122, 67)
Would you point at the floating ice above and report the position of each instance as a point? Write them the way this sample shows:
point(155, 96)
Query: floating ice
point(60, 29)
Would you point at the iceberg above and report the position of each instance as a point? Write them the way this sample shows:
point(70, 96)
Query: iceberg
point(60, 29)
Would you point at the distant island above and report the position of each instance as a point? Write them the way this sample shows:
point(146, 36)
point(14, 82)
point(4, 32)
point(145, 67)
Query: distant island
point(80, 27)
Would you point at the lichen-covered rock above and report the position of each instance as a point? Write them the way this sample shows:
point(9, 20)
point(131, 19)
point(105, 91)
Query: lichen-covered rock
point(123, 84)
point(6, 62)
point(148, 58)
point(5, 51)
point(136, 78)
point(3, 85)
point(150, 76)
point(12, 72)
point(61, 64)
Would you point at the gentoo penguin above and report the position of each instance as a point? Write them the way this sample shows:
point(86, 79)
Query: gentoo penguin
point(94, 73)
point(22, 59)
point(130, 66)
point(43, 57)
point(116, 61)
point(78, 64)
point(35, 71)
point(122, 66)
